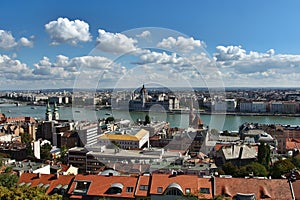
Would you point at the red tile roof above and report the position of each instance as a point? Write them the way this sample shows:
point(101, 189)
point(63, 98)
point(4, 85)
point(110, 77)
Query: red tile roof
point(184, 181)
point(143, 181)
point(19, 119)
point(261, 188)
point(296, 187)
point(51, 179)
point(101, 184)
point(292, 144)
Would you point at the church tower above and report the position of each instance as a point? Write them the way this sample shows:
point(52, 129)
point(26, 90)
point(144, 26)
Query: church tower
point(48, 114)
point(55, 115)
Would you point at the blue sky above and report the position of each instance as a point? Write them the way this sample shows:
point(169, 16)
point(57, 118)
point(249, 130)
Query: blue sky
point(255, 43)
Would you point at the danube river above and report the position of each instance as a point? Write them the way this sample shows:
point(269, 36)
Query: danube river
point(220, 122)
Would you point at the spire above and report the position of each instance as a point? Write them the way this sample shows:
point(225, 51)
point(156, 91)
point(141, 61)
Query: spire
point(48, 115)
point(55, 112)
point(48, 109)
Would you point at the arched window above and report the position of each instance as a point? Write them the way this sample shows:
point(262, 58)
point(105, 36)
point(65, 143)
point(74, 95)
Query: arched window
point(174, 189)
point(115, 188)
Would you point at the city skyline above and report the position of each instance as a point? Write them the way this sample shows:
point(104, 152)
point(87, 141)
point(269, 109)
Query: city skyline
point(54, 44)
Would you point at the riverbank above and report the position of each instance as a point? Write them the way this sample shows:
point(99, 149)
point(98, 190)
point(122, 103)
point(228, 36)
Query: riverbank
point(251, 114)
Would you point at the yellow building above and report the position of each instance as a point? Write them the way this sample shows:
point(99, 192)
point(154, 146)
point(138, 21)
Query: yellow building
point(126, 139)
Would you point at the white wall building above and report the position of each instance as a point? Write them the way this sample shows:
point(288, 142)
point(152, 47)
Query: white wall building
point(259, 107)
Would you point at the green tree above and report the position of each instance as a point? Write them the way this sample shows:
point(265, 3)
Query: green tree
point(264, 155)
point(281, 167)
point(147, 120)
point(295, 161)
point(27, 139)
point(256, 168)
point(109, 119)
point(63, 154)
point(45, 151)
point(24, 192)
point(230, 169)
point(8, 180)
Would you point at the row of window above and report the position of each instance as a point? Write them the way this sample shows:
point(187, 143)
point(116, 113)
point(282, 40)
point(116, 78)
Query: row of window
point(175, 191)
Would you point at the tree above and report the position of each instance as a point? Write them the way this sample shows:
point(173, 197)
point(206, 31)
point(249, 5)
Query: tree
point(8, 180)
point(264, 155)
point(63, 154)
point(27, 139)
point(109, 119)
point(256, 168)
point(281, 167)
point(147, 120)
point(45, 151)
point(230, 169)
point(25, 192)
point(295, 161)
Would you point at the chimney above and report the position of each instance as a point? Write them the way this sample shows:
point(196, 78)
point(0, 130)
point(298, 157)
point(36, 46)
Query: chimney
point(20, 173)
point(39, 175)
point(57, 175)
point(241, 152)
point(213, 180)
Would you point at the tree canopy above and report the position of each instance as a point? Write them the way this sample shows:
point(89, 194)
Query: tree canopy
point(147, 120)
point(25, 192)
point(264, 155)
point(281, 167)
point(254, 168)
point(8, 180)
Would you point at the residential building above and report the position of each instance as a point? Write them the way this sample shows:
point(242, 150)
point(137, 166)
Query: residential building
point(98, 186)
point(28, 167)
point(246, 107)
point(252, 188)
point(238, 155)
point(290, 107)
point(88, 132)
point(259, 107)
point(276, 107)
point(165, 186)
point(52, 183)
point(15, 150)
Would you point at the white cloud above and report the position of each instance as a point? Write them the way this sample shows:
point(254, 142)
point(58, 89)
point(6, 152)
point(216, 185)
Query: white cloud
point(8, 42)
point(63, 30)
point(180, 44)
point(240, 68)
point(116, 43)
point(159, 58)
point(237, 59)
point(25, 42)
point(69, 68)
point(229, 53)
point(13, 69)
point(144, 34)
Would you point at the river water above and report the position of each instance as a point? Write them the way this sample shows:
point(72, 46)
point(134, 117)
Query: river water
point(220, 122)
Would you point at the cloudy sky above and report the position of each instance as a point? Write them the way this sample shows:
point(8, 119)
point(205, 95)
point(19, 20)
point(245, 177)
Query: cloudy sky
point(65, 44)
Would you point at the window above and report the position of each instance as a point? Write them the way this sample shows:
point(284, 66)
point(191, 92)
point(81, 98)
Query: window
point(187, 190)
point(174, 192)
point(129, 189)
point(159, 190)
point(82, 187)
point(144, 187)
point(204, 191)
